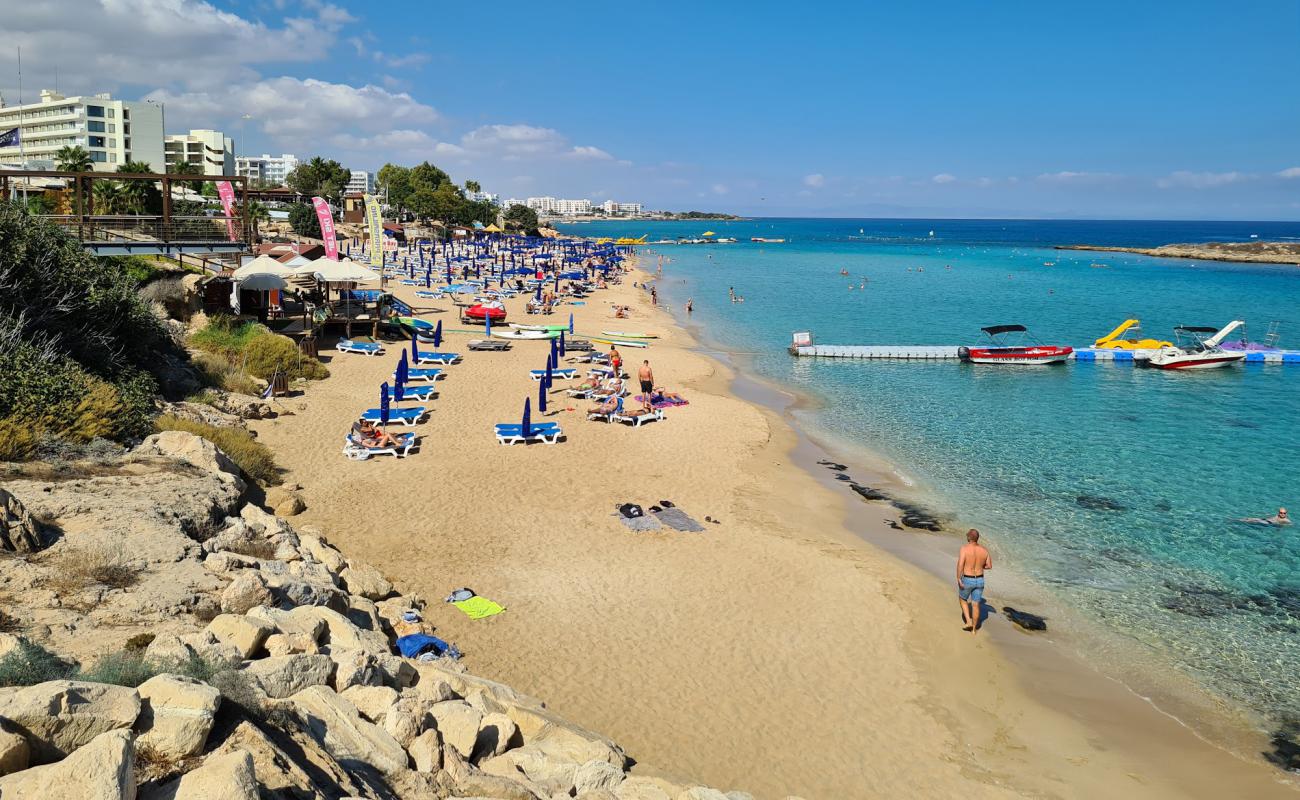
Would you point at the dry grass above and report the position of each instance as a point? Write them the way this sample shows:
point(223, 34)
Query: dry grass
point(154, 765)
point(9, 623)
point(253, 548)
point(73, 570)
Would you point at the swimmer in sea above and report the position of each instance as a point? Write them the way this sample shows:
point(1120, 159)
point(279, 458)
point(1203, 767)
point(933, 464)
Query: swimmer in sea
point(1278, 520)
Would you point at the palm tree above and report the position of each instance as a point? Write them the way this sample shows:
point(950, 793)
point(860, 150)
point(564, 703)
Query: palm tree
point(109, 198)
point(74, 158)
point(138, 197)
point(257, 214)
point(473, 187)
point(188, 168)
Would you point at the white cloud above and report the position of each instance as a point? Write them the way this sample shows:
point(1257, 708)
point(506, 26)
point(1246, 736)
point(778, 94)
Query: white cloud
point(943, 177)
point(719, 188)
point(589, 153)
point(514, 142)
point(1290, 172)
point(815, 180)
point(1069, 176)
point(1183, 179)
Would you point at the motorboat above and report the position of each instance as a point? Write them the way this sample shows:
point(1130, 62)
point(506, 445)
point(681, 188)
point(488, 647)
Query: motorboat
point(1012, 344)
point(763, 240)
point(1111, 341)
point(494, 310)
point(1203, 350)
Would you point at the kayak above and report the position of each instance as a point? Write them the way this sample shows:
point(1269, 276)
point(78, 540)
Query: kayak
point(418, 324)
point(618, 342)
point(518, 334)
point(547, 328)
point(630, 335)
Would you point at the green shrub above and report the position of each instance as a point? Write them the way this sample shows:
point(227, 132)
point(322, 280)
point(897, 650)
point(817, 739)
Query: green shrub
point(225, 335)
point(254, 458)
point(217, 371)
point(29, 664)
point(123, 668)
point(266, 355)
point(18, 438)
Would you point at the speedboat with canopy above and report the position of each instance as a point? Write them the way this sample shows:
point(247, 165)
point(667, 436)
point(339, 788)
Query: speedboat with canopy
point(1012, 344)
point(1203, 348)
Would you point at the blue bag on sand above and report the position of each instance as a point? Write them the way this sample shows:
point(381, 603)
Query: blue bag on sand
point(417, 644)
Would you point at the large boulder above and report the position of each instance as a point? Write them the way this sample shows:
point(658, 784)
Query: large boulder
point(426, 751)
point(458, 724)
point(194, 450)
point(282, 676)
point(496, 734)
point(19, 531)
point(15, 753)
point(322, 551)
point(245, 406)
point(596, 776)
point(304, 770)
point(355, 668)
point(57, 717)
point(406, 719)
point(335, 724)
point(228, 776)
point(245, 633)
point(363, 579)
point(176, 715)
point(372, 701)
point(285, 502)
point(203, 414)
point(247, 591)
point(103, 769)
point(340, 633)
point(292, 621)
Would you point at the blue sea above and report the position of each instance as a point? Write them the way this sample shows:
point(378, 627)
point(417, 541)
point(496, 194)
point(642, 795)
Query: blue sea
point(1176, 457)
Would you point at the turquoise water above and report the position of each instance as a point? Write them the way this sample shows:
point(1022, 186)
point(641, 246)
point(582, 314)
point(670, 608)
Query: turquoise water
point(1011, 449)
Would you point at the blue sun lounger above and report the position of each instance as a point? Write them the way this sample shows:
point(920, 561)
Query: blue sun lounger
point(397, 416)
point(422, 374)
point(354, 449)
point(438, 358)
point(513, 432)
point(563, 374)
point(421, 393)
point(364, 348)
point(425, 294)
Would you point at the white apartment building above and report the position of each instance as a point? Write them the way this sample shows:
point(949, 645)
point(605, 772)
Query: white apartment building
point(212, 151)
point(361, 181)
point(267, 169)
point(112, 131)
point(557, 207)
point(613, 209)
point(479, 197)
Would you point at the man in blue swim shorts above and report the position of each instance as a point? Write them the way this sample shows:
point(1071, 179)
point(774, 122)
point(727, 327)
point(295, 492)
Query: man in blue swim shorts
point(972, 562)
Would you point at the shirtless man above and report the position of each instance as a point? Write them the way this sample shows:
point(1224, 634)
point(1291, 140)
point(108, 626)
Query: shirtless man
point(647, 378)
point(972, 561)
point(1278, 520)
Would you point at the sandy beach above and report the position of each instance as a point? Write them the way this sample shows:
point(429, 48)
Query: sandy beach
point(777, 653)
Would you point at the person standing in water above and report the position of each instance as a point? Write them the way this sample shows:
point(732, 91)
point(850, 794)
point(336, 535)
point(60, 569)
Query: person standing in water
point(690, 304)
point(972, 561)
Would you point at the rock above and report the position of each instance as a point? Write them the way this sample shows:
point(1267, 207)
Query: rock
point(355, 668)
point(426, 751)
point(242, 405)
point(247, 591)
point(463, 684)
point(103, 769)
point(364, 614)
point(701, 793)
point(390, 611)
point(363, 579)
point(228, 776)
point(245, 633)
point(284, 676)
point(458, 724)
point(636, 787)
point(168, 649)
point(1030, 622)
point(290, 593)
point(868, 493)
point(8, 643)
point(1098, 502)
point(372, 702)
point(733, 795)
point(57, 717)
point(315, 572)
point(292, 621)
point(193, 450)
point(226, 563)
point(531, 764)
point(306, 771)
point(20, 532)
point(596, 776)
point(15, 754)
point(323, 552)
point(176, 714)
point(284, 502)
point(471, 782)
point(340, 633)
point(562, 739)
point(209, 648)
point(335, 724)
point(406, 719)
point(496, 733)
point(203, 414)
point(436, 690)
point(285, 644)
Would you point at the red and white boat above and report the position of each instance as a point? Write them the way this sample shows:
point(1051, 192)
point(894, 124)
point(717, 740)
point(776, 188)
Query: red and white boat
point(1204, 352)
point(1025, 350)
point(495, 310)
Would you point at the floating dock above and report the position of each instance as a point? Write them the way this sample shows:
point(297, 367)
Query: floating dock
point(950, 353)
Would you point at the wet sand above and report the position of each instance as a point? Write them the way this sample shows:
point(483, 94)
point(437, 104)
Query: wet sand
point(777, 653)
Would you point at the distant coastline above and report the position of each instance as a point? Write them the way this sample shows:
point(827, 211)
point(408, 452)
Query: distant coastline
point(685, 216)
point(1258, 252)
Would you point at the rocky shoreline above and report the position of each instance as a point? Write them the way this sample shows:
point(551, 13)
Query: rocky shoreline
point(1246, 252)
point(165, 638)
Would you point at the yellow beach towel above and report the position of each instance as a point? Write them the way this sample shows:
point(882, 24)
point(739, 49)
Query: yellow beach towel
point(478, 607)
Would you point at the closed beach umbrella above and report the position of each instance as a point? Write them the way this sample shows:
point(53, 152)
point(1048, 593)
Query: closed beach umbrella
point(570, 323)
point(560, 348)
point(538, 294)
point(383, 403)
point(415, 350)
point(526, 425)
point(549, 378)
point(399, 389)
point(428, 279)
point(403, 369)
point(437, 335)
point(541, 396)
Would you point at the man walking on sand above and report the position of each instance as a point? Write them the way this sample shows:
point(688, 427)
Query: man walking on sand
point(972, 561)
point(647, 378)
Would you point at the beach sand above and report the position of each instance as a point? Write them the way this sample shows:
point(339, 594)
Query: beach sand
point(776, 653)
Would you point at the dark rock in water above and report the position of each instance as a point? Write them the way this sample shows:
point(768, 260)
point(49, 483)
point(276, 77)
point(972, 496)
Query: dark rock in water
point(1030, 622)
point(1286, 746)
point(1162, 505)
point(1125, 557)
point(840, 476)
point(1241, 423)
point(831, 465)
point(914, 517)
point(1127, 417)
point(1198, 601)
point(1099, 503)
point(893, 523)
point(868, 493)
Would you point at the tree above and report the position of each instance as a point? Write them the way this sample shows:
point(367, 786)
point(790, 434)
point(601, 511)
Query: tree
point(139, 197)
point(108, 198)
point(396, 183)
point(426, 176)
point(422, 203)
point(258, 214)
point(473, 187)
point(189, 168)
point(319, 178)
point(302, 218)
point(74, 158)
point(521, 217)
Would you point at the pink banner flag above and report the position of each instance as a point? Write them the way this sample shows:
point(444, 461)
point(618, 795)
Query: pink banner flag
point(227, 194)
point(326, 218)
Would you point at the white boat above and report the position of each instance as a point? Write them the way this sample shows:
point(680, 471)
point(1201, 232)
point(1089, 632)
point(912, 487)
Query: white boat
point(1204, 352)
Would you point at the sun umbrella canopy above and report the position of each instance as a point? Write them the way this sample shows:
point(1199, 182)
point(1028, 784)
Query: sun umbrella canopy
point(345, 271)
point(262, 281)
point(262, 265)
point(437, 335)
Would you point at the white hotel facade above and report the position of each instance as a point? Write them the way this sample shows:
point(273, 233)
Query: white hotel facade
point(269, 170)
point(112, 131)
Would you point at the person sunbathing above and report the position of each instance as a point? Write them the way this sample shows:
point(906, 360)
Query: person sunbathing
point(662, 395)
point(604, 409)
point(587, 385)
point(372, 435)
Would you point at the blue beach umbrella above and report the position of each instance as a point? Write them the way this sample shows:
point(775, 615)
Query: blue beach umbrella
point(383, 403)
point(538, 294)
point(541, 397)
point(399, 389)
point(487, 324)
point(415, 349)
point(553, 358)
point(437, 335)
point(570, 323)
point(428, 279)
point(549, 379)
point(403, 367)
point(560, 347)
point(526, 425)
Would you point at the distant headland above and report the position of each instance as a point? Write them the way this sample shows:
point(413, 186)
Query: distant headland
point(1260, 252)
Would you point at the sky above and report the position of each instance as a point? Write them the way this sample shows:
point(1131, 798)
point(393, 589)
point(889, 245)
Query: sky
point(1140, 109)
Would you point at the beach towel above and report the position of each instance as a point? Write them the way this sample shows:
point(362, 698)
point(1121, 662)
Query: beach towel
point(678, 520)
point(640, 524)
point(478, 607)
point(419, 645)
point(665, 403)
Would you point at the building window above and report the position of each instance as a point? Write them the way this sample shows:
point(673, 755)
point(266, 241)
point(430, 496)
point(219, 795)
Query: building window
point(112, 128)
point(97, 127)
point(112, 142)
point(97, 141)
point(98, 155)
point(112, 158)
point(94, 111)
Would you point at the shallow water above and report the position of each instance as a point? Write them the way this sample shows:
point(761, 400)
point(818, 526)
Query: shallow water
point(1114, 487)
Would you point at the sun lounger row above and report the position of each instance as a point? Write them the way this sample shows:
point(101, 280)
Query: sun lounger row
point(513, 432)
point(613, 410)
point(562, 374)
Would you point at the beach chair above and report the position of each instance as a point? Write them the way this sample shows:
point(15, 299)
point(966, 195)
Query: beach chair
point(425, 294)
point(364, 348)
point(356, 449)
point(639, 416)
point(580, 345)
point(488, 345)
point(407, 417)
point(513, 433)
point(563, 374)
point(610, 388)
point(437, 358)
point(607, 409)
point(421, 393)
point(421, 374)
